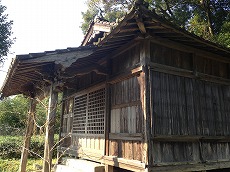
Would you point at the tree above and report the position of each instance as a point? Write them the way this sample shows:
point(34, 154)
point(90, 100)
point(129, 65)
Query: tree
point(5, 33)
point(13, 113)
point(206, 18)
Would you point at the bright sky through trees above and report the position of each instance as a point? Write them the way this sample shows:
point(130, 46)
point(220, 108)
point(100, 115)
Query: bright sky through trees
point(42, 25)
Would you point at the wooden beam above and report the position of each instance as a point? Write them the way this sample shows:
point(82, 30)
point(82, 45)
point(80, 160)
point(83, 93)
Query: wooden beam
point(121, 50)
point(155, 18)
point(190, 138)
point(193, 166)
point(28, 134)
point(118, 28)
point(125, 75)
point(126, 136)
point(85, 70)
point(141, 24)
point(133, 165)
point(50, 123)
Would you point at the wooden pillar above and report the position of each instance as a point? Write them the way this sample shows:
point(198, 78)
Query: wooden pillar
point(28, 134)
point(50, 123)
point(59, 154)
point(107, 119)
point(107, 108)
point(109, 168)
point(145, 59)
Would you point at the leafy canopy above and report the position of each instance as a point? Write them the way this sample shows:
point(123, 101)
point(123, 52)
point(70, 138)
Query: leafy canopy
point(14, 114)
point(206, 18)
point(5, 34)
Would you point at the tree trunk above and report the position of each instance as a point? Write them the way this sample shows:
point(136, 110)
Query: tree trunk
point(206, 5)
point(50, 123)
point(28, 134)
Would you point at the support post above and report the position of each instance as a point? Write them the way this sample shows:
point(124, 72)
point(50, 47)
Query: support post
point(50, 123)
point(107, 119)
point(145, 59)
point(59, 155)
point(28, 134)
point(109, 168)
point(107, 108)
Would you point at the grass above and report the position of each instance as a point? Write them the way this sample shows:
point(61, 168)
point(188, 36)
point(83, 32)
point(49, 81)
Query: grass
point(12, 165)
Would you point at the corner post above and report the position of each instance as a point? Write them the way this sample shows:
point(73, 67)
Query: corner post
point(145, 59)
point(28, 134)
point(50, 123)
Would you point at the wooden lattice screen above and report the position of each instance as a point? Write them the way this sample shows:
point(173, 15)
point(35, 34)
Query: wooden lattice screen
point(89, 112)
point(80, 111)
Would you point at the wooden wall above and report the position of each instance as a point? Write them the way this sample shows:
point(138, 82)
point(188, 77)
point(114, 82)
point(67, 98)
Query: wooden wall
point(170, 57)
point(189, 112)
point(126, 132)
point(88, 146)
point(126, 60)
point(88, 80)
point(190, 107)
point(187, 106)
point(166, 153)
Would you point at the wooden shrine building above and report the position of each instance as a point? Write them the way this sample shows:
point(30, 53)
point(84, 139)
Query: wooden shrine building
point(145, 96)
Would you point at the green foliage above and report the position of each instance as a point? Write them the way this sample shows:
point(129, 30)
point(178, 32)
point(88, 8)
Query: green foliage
point(5, 33)
point(205, 18)
point(10, 146)
point(14, 110)
point(13, 113)
point(7, 165)
point(224, 36)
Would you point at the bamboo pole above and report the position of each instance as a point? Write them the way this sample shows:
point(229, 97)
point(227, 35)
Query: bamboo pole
point(50, 123)
point(28, 134)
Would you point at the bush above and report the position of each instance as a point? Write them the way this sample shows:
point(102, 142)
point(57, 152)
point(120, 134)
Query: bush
point(10, 146)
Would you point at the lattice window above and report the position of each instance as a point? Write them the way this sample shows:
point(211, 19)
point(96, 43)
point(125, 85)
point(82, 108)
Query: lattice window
point(80, 111)
point(96, 111)
point(89, 112)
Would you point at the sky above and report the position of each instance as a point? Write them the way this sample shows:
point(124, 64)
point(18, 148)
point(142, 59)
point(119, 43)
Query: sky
point(43, 25)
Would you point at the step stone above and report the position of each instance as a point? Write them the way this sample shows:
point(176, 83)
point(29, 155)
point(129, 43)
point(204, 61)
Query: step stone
point(64, 168)
point(83, 165)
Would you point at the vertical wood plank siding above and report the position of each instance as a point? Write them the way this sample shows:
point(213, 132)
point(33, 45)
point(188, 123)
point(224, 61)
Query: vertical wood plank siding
point(193, 152)
point(212, 67)
point(185, 106)
point(126, 113)
point(88, 146)
point(89, 79)
point(126, 60)
point(171, 57)
point(189, 107)
point(127, 119)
